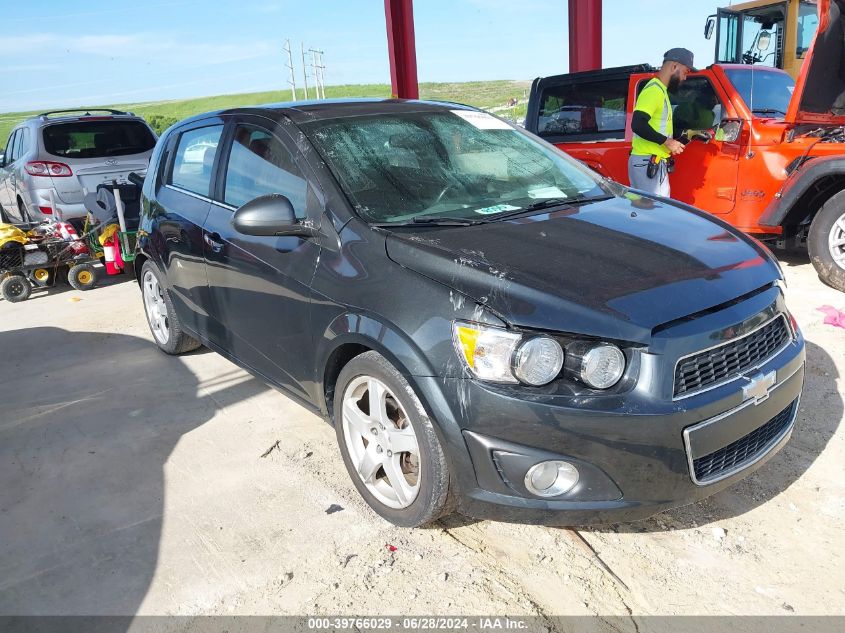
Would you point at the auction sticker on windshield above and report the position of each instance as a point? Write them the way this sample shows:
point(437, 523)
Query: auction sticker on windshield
point(482, 120)
point(496, 208)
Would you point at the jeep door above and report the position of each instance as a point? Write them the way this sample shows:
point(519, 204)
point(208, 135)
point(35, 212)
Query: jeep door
point(585, 115)
point(705, 174)
point(184, 201)
point(260, 285)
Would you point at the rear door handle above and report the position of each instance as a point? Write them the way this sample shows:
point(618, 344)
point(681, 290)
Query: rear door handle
point(215, 243)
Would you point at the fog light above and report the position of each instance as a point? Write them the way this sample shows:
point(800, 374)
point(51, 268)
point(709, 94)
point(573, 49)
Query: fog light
point(550, 479)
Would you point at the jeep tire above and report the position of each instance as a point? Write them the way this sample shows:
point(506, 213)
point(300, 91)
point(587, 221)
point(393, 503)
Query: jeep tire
point(826, 242)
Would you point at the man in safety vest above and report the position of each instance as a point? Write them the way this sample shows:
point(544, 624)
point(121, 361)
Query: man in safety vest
point(652, 146)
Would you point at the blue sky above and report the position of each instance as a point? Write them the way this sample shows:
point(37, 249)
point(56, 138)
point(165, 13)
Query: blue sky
point(56, 53)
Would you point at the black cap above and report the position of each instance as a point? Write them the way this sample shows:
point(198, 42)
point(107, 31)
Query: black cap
point(680, 55)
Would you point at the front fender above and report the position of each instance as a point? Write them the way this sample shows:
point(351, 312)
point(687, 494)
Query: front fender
point(799, 183)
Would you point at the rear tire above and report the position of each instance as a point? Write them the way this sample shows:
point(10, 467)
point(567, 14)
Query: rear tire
point(161, 317)
point(82, 276)
point(395, 442)
point(15, 288)
point(23, 212)
point(826, 242)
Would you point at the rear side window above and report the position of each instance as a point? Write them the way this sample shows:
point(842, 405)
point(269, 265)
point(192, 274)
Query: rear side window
point(260, 163)
point(10, 148)
point(97, 139)
point(596, 109)
point(194, 159)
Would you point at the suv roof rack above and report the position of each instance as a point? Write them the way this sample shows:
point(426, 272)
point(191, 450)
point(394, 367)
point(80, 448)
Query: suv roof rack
point(87, 111)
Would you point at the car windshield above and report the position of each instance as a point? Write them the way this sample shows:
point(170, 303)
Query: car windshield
point(765, 92)
point(458, 164)
point(97, 139)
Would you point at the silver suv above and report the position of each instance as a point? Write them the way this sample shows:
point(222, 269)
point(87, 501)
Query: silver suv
point(69, 152)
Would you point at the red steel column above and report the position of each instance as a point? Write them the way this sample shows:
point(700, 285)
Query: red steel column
point(399, 15)
point(584, 35)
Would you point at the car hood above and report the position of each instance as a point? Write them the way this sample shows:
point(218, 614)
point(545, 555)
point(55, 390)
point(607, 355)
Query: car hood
point(616, 268)
point(819, 95)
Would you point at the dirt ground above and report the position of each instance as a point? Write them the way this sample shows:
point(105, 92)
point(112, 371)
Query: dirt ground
point(132, 482)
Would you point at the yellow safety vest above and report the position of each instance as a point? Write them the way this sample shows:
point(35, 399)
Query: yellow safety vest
point(654, 101)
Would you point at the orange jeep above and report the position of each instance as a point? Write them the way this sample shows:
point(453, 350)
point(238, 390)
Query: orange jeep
point(775, 165)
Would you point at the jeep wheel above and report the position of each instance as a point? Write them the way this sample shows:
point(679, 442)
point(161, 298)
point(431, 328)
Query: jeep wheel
point(826, 242)
point(388, 443)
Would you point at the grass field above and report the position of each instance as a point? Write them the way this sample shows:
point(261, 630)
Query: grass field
point(482, 94)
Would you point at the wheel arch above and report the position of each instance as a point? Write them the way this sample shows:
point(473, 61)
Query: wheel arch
point(351, 334)
point(805, 192)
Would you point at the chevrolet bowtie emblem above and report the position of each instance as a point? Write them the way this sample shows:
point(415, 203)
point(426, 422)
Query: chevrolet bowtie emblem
point(759, 386)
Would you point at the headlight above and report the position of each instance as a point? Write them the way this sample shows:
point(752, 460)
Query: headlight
point(599, 366)
point(486, 351)
point(538, 361)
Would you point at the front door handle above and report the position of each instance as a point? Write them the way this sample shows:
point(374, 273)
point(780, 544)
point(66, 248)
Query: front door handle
point(214, 242)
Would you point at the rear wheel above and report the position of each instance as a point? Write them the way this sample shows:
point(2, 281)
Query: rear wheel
point(23, 212)
point(826, 242)
point(15, 288)
point(164, 323)
point(42, 277)
point(82, 276)
point(388, 443)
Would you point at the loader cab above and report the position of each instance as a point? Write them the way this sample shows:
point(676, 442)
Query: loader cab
point(775, 34)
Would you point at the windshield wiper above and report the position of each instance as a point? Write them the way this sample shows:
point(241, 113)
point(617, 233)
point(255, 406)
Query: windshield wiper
point(546, 204)
point(768, 111)
point(434, 221)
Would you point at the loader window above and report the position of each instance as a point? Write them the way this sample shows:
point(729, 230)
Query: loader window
point(584, 111)
point(808, 22)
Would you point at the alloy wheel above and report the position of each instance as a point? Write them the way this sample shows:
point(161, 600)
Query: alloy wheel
point(381, 442)
point(836, 241)
point(156, 308)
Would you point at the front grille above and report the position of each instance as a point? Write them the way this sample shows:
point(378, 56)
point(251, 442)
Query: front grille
point(735, 455)
point(715, 365)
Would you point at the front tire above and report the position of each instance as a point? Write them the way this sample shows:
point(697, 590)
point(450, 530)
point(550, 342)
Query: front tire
point(388, 443)
point(82, 276)
point(161, 317)
point(826, 242)
point(15, 288)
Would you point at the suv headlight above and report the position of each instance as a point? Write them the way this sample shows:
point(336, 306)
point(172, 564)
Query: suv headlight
point(498, 355)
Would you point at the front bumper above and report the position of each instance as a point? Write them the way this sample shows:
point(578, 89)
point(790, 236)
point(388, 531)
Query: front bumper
point(636, 453)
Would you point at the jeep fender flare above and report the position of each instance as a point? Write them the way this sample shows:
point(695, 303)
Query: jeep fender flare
point(797, 184)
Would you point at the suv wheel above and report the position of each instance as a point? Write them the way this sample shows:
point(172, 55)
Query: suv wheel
point(23, 212)
point(388, 443)
point(826, 242)
point(161, 317)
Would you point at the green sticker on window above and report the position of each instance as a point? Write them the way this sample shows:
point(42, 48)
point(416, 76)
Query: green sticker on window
point(498, 208)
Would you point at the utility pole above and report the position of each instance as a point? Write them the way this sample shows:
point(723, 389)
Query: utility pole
point(304, 69)
point(319, 77)
point(292, 80)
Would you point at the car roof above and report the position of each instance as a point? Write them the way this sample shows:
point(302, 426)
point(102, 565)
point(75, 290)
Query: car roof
point(82, 114)
point(316, 110)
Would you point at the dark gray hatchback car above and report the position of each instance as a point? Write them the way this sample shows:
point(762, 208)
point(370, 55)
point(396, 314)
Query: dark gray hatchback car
point(491, 327)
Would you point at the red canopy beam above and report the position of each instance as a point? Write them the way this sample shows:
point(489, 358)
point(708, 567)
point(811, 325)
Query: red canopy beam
point(584, 35)
point(399, 15)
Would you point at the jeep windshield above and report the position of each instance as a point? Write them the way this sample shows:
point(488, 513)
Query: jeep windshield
point(459, 167)
point(765, 92)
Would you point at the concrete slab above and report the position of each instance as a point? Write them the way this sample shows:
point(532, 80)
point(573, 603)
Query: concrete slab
point(133, 482)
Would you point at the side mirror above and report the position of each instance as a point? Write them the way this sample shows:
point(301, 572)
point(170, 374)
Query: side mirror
point(135, 179)
point(709, 26)
point(764, 40)
point(269, 215)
